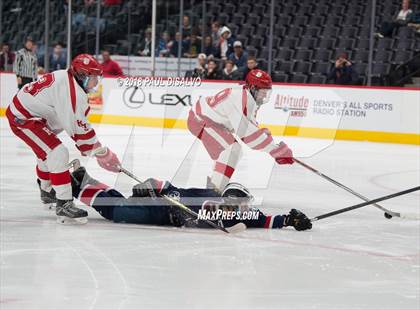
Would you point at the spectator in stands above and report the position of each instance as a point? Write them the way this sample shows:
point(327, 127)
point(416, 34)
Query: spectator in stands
point(145, 47)
point(58, 59)
point(209, 48)
point(25, 65)
point(251, 64)
point(231, 72)
point(239, 56)
point(216, 33)
point(111, 2)
point(80, 21)
point(200, 70)
point(226, 43)
point(186, 27)
point(212, 72)
point(414, 22)
point(343, 73)
point(192, 46)
point(174, 47)
point(109, 66)
point(6, 58)
point(400, 19)
point(164, 45)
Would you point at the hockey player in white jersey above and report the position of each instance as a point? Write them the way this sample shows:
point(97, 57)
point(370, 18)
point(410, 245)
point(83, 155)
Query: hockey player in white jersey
point(220, 120)
point(39, 111)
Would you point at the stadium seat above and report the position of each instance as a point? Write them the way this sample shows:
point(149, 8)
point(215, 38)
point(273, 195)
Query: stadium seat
point(321, 67)
point(285, 54)
point(244, 9)
point(294, 32)
point(360, 68)
point(346, 44)
point(258, 9)
point(298, 78)
point(280, 77)
point(316, 21)
point(382, 55)
point(317, 79)
point(330, 32)
point(284, 66)
point(404, 44)
point(289, 43)
point(303, 55)
point(262, 63)
point(302, 67)
point(312, 31)
point(401, 56)
point(379, 69)
point(349, 32)
point(323, 55)
point(252, 19)
point(300, 20)
point(361, 56)
point(307, 43)
point(384, 43)
point(363, 44)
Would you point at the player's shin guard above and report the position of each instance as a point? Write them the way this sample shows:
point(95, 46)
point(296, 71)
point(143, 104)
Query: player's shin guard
point(47, 193)
point(225, 165)
point(43, 175)
point(57, 163)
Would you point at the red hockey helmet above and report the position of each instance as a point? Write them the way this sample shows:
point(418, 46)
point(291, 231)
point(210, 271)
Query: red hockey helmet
point(259, 84)
point(258, 79)
point(85, 65)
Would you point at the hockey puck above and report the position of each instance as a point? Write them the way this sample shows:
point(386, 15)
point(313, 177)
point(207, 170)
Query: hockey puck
point(387, 215)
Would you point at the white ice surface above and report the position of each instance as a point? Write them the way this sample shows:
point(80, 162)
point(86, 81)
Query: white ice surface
point(357, 260)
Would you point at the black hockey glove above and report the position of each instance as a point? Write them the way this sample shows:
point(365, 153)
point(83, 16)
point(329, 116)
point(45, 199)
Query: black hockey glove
point(298, 220)
point(149, 188)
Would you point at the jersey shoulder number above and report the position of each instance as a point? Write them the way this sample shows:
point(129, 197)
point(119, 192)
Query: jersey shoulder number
point(213, 101)
point(43, 82)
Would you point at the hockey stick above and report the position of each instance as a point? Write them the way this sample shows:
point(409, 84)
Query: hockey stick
point(363, 204)
point(388, 213)
point(233, 229)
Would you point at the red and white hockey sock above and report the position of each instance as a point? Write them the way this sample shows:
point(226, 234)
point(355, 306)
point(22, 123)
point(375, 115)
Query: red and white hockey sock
point(61, 182)
point(44, 177)
point(221, 175)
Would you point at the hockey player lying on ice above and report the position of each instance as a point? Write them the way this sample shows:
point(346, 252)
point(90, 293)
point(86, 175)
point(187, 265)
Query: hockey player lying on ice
point(145, 206)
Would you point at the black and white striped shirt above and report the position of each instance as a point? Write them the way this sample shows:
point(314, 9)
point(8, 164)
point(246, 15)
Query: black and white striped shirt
point(25, 64)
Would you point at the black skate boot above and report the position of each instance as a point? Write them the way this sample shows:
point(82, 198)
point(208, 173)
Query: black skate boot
point(67, 212)
point(48, 198)
point(80, 177)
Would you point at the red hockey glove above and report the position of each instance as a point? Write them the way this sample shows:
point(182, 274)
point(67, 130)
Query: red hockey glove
point(282, 154)
point(108, 160)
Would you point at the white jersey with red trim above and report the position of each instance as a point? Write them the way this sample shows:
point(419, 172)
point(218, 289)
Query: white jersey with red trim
point(60, 101)
point(236, 110)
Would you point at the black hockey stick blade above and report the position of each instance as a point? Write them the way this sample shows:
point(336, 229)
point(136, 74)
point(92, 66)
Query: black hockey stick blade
point(363, 204)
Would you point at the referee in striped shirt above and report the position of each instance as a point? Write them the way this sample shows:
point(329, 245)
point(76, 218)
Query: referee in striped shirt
point(26, 63)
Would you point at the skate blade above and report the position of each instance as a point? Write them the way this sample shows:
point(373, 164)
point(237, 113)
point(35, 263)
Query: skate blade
point(68, 220)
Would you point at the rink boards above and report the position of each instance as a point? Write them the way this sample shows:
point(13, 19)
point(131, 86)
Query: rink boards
point(318, 111)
